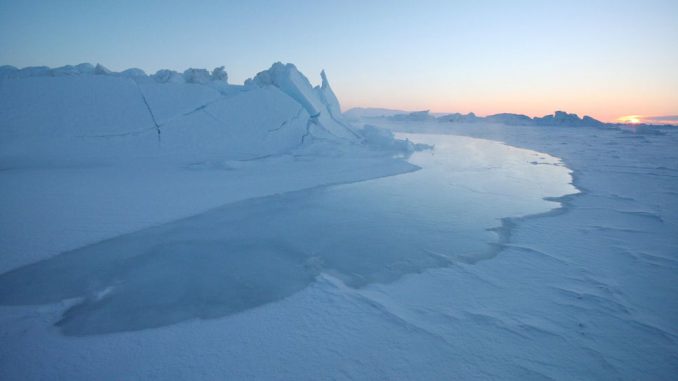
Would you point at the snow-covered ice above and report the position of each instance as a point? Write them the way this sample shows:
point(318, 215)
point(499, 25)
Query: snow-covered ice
point(175, 226)
point(261, 250)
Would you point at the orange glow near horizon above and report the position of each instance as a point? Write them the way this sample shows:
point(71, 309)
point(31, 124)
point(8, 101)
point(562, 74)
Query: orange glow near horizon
point(515, 107)
point(632, 119)
point(533, 99)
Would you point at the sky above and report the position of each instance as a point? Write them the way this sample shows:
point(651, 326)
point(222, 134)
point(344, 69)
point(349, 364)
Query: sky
point(606, 59)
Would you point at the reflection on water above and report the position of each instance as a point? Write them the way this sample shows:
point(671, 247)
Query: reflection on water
point(257, 251)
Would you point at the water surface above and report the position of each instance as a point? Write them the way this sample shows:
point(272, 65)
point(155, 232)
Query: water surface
point(257, 251)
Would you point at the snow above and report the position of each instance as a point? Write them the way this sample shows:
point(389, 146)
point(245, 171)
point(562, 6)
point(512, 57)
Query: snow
point(319, 102)
point(105, 115)
point(457, 117)
point(219, 74)
point(358, 113)
point(164, 76)
point(327, 96)
point(251, 133)
point(101, 70)
point(266, 241)
point(502, 252)
point(383, 139)
point(595, 283)
point(558, 118)
point(416, 116)
point(201, 76)
point(131, 149)
point(290, 81)
point(40, 109)
point(133, 73)
point(173, 100)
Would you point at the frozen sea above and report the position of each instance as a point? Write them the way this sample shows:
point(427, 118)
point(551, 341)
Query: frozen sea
point(265, 249)
point(488, 262)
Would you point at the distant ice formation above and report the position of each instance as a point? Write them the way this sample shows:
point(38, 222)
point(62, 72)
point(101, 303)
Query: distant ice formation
point(558, 118)
point(416, 116)
point(357, 113)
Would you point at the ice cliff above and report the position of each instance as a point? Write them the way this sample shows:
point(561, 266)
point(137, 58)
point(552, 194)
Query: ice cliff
point(89, 109)
point(319, 102)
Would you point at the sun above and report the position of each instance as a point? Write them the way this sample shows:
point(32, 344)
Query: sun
point(632, 119)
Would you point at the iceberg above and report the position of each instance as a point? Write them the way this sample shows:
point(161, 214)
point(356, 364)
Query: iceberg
point(562, 118)
point(52, 113)
point(318, 102)
point(557, 119)
point(416, 116)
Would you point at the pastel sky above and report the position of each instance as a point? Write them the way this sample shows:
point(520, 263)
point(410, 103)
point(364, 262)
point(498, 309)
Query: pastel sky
point(601, 58)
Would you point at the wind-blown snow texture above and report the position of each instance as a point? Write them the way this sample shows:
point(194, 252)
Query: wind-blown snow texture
point(90, 157)
point(595, 282)
point(257, 251)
